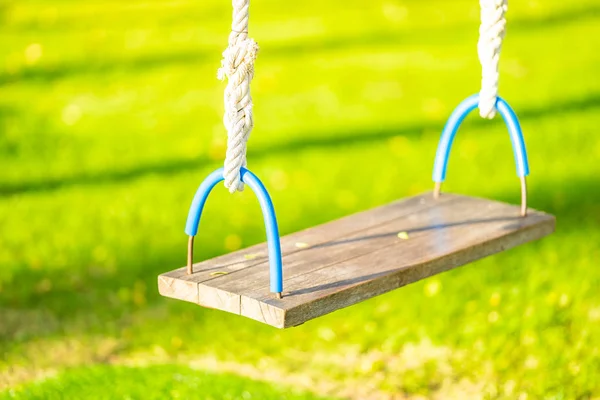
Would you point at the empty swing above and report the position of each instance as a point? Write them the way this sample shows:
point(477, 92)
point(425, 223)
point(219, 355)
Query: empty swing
point(343, 262)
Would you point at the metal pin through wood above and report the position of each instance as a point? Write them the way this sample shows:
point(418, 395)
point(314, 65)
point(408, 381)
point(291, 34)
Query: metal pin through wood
point(190, 256)
point(437, 189)
point(523, 196)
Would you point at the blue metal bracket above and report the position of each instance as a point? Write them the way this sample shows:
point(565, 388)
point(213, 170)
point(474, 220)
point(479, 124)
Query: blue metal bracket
point(266, 205)
point(516, 138)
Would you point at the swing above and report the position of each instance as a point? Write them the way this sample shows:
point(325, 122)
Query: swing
point(352, 259)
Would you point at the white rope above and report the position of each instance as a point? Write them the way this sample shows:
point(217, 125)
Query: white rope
point(238, 67)
point(491, 34)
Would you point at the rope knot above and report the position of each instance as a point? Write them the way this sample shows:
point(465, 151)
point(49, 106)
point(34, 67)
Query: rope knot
point(238, 59)
point(238, 67)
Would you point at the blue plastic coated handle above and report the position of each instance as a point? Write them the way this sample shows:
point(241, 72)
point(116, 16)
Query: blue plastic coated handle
point(266, 205)
point(457, 117)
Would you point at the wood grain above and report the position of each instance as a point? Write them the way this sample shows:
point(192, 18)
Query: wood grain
point(358, 257)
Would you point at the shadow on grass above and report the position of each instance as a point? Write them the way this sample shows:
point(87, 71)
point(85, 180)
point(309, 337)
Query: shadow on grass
point(375, 39)
point(301, 143)
point(395, 38)
point(50, 73)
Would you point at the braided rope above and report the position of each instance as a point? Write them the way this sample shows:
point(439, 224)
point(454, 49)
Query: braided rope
point(491, 34)
point(238, 67)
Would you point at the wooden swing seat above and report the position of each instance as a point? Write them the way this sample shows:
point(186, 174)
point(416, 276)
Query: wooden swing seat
point(343, 262)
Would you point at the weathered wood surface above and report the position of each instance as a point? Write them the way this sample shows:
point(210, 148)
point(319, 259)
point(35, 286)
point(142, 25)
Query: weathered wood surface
point(343, 262)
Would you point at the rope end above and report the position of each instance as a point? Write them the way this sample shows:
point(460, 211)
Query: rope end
point(487, 105)
point(233, 182)
point(487, 114)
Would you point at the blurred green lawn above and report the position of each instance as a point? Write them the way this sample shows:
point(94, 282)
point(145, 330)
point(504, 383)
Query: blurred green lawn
point(154, 382)
point(110, 116)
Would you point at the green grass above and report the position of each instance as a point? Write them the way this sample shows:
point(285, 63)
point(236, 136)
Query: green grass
point(110, 116)
point(155, 382)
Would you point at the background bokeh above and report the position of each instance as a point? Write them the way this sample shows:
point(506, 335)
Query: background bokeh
point(110, 116)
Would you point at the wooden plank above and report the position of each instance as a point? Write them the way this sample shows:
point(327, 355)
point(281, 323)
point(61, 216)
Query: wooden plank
point(362, 256)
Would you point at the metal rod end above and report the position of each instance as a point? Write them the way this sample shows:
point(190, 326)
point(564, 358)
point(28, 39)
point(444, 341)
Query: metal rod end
point(523, 196)
point(190, 256)
point(436, 190)
point(278, 295)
